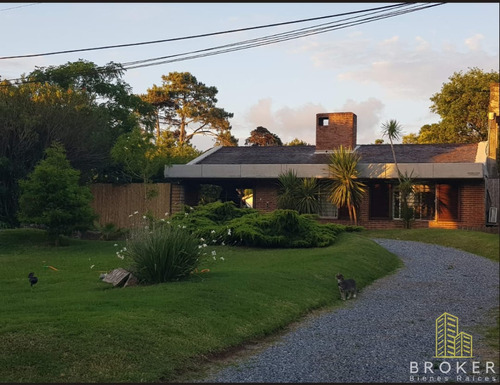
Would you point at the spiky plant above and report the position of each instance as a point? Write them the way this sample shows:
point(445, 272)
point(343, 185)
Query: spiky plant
point(345, 188)
point(393, 130)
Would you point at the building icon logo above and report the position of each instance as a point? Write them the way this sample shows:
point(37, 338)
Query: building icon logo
point(449, 342)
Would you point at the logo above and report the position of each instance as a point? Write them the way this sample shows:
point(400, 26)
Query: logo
point(453, 359)
point(449, 342)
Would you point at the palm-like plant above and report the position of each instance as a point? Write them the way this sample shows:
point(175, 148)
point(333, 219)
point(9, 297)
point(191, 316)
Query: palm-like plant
point(393, 130)
point(346, 189)
point(300, 194)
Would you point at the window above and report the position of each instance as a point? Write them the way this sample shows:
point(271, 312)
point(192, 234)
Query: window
point(323, 121)
point(380, 196)
point(421, 200)
point(326, 208)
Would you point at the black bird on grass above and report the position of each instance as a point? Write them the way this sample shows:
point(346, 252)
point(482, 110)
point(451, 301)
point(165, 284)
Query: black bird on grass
point(32, 278)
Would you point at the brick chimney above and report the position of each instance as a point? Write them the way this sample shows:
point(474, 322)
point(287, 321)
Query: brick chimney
point(335, 129)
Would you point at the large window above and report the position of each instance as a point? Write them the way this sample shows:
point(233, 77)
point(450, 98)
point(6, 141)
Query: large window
point(326, 208)
point(422, 200)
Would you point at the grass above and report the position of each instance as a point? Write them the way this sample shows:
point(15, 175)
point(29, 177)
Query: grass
point(475, 242)
point(72, 327)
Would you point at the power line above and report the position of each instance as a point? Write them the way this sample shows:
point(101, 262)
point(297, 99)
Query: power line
point(271, 39)
point(374, 15)
point(19, 6)
point(198, 36)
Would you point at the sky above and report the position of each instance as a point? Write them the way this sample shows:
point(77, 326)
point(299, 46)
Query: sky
point(380, 70)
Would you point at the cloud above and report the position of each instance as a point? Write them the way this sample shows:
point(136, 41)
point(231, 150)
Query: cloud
point(403, 69)
point(287, 122)
point(368, 114)
point(474, 42)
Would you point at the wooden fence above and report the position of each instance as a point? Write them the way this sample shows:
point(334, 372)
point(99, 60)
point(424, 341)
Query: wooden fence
point(117, 203)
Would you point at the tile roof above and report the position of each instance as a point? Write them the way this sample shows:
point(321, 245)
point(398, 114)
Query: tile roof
point(370, 153)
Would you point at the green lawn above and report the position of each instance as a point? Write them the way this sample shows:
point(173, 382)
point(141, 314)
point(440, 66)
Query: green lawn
point(475, 242)
point(72, 327)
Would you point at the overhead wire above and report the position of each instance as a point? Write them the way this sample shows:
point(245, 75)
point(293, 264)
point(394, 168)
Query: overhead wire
point(266, 40)
point(196, 36)
point(374, 15)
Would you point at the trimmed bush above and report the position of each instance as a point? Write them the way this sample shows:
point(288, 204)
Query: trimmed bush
point(224, 222)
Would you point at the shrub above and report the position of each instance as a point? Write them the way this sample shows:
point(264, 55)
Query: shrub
point(162, 253)
point(284, 228)
point(52, 197)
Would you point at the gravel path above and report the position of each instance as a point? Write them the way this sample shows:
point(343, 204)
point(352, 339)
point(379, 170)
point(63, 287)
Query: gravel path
point(374, 337)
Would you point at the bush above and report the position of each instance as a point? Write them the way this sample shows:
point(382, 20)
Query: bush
point(223, 222)
point(161, 254)
point(52, 198)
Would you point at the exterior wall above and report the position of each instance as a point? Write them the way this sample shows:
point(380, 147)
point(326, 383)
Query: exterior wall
point(265, 196)
point(341, 130)
point(472, 210)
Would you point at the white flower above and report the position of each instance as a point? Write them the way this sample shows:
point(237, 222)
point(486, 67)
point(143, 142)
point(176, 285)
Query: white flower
point(221, 258)
point(143, 217)
point(190, 208)
point(186, 214)
point(228, 231)
point(183, 227)
point(214, 252)
point(214, 258)
point(223, 244)
point(214, 240)
point(136, 212)
point(131, 215)
point(168, 222)
point(202, 239)
point(204, 245)
point(92, 266)
point(116, 244)
point(166, 214)
point(162, 220)
point(124, 249)
point(212, 232)
point(200, 246)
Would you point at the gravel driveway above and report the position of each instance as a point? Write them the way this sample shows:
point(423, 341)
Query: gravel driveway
point(374, 337)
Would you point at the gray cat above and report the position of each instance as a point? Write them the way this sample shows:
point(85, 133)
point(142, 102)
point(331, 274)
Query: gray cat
point(347, 287)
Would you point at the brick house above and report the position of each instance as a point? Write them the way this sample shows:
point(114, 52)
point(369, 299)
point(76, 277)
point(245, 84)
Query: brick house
point(456, 184)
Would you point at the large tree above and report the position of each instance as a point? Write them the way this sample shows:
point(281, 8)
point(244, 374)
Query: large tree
point(261, 136)
point(462, 105)
point(188, 107)
point(106, 88)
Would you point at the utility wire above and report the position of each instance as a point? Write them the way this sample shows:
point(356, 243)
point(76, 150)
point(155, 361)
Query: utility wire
point(19, 6)
point(197, 36)
point(270, 39)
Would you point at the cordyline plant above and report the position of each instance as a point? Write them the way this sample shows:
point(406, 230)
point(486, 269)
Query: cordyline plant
point(345, 188)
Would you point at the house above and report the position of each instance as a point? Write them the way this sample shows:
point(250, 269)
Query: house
point(456, 185)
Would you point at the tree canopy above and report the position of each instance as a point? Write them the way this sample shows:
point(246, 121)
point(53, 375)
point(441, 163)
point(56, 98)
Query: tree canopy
point(261, 136)
point(462, 104)
point(188, 107)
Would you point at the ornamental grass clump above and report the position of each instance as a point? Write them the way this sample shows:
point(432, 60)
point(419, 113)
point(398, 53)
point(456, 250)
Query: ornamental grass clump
point(162, 253)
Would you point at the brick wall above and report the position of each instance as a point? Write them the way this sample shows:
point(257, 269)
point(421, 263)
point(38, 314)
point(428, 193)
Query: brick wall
point(472, 214)
point(340, 130)
point(265, 196)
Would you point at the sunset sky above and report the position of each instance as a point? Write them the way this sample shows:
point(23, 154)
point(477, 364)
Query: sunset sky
point(379, 70)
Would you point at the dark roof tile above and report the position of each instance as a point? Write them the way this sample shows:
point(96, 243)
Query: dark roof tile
point(370, 153)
